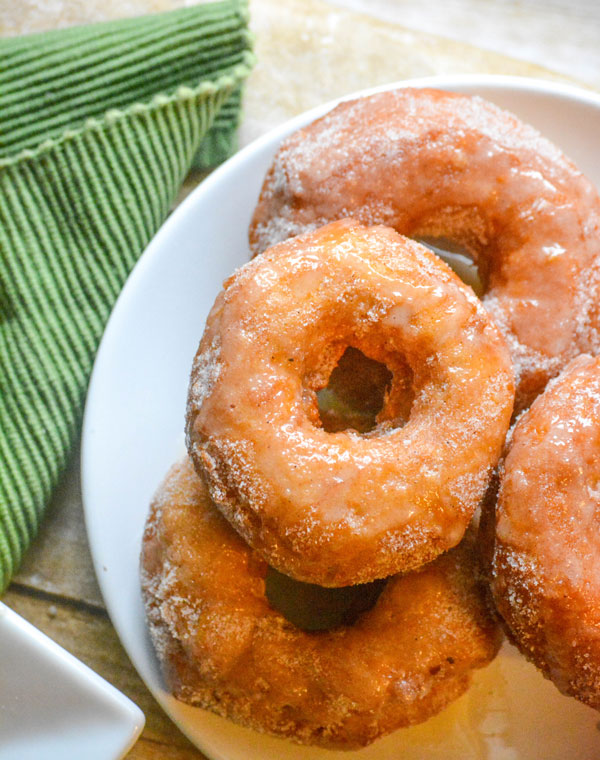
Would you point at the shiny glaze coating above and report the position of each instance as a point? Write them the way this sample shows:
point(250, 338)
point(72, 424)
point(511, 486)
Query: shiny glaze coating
point(432, 163)
point(343, 508)
point(225, 649)
point(545, 557)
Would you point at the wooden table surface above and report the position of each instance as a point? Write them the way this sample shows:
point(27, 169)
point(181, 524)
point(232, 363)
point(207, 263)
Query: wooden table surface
point(308, 51)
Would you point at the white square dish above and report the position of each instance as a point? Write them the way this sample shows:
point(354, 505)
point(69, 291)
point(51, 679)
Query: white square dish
point(52, 706)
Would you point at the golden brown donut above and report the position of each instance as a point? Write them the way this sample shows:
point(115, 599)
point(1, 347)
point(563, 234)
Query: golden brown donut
point(224, 648)
point(433, 163)
point(341, 508)
point(545, 558)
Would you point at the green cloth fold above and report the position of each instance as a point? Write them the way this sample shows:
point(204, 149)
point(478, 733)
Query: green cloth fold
point(98, 127)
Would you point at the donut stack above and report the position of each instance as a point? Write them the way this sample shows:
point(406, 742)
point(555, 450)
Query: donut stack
point(375, 505)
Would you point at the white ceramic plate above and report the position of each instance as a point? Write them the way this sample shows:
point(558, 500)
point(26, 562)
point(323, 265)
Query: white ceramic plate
point(133, 433)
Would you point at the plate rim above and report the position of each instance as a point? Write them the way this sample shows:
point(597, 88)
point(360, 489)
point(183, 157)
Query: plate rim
point(494, 81)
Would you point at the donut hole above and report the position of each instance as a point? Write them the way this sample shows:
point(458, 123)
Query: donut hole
point(316, 608)
point(355, 393)
point(459, 259)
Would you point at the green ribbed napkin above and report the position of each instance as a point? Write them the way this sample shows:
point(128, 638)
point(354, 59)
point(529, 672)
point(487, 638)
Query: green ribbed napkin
point(98, 127)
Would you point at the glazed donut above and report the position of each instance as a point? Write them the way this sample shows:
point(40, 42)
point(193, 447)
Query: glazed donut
point(341, 508)
point(438, 164)
point(224, 648)
point(545, 558)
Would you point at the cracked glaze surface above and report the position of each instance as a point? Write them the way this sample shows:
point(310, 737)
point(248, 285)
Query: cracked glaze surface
point(343, 508)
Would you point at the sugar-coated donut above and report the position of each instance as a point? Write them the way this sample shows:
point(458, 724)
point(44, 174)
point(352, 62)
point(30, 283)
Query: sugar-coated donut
point(433, 163)
point(545, 556)
point(340, 508)
point(224, 648)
